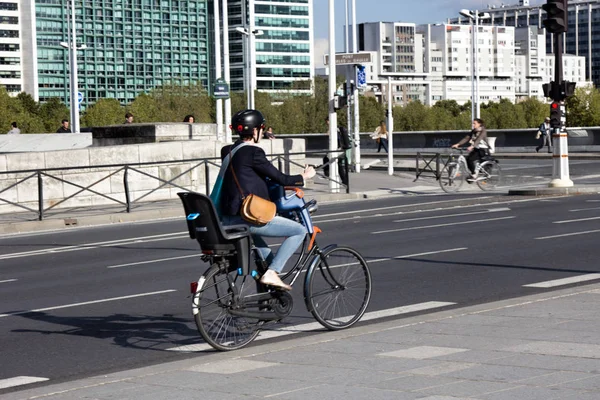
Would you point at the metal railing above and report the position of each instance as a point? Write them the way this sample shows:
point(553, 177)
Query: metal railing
point(126, 169)
point(429, 169)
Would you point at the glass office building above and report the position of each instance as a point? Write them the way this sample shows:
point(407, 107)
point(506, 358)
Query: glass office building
point(132, 46)
point(283, 57)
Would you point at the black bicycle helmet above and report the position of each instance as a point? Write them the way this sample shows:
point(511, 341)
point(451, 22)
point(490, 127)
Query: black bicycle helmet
point(244, 122)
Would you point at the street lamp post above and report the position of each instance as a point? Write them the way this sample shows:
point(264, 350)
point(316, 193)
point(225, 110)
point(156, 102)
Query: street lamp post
point(71, 45)
point(474, 17)
point(249, 55)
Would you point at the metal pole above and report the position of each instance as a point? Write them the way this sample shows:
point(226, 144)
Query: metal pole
point(355, 94)
point(334, 186)
point(347, 41)
point(252, 51)
point(219, 102)
point(560, 156)
point(473, 52)
point(390, 126)
point(476, 65)
point(74, 88)
point(226, 69)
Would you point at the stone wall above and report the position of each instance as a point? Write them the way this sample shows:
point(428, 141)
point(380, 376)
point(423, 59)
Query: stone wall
point(151, 133)
point(94, 166)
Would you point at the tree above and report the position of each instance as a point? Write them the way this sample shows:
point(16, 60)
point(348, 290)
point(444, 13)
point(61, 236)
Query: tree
point(534, 112)
point(52, 113)
point(583, 109)
point(104, 112)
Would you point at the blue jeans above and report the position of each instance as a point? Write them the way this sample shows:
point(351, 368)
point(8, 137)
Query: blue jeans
point(278, 227)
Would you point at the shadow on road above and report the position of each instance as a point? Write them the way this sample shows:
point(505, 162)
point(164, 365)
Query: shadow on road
point(138, 332)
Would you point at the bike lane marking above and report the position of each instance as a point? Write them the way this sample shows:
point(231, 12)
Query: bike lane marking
point(315, 326)
point(441, 225)
point(20, 380)
point(85, 303)
point(567, 234)
point(8, 280)
point(564, 281)
point(96, 245)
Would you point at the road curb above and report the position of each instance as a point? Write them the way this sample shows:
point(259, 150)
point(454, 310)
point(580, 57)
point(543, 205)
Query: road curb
point(554, 191)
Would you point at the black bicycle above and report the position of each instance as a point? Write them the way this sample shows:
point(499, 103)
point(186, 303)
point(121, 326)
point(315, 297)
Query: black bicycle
point(230, 305)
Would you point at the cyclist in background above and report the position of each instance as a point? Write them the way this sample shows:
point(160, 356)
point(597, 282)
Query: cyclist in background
point(478, 148)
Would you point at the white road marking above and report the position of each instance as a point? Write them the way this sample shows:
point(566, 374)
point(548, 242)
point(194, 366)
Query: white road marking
point(314, 326)
point(441, 225)
point(20, 380)
point(153, 261)
point(567, 234)
point(391, 207)
point(85, 303)
point(8, 280)
point(416, 255)
point(564, 281)
point(585, 209)
point(576, 220)
point(459, 206)
point(452, 215)
point(89, 246)
point(593, 201)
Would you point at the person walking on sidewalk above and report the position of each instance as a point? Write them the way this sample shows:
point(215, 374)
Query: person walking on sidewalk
point(545, 132)
point(381, 136)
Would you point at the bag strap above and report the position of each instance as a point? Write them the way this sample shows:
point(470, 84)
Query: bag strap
point(233, 172)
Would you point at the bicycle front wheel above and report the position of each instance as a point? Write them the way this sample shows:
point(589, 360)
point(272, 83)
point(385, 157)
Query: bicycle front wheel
point(338, 288)
point(492, 174)
point(452, 177)
point(215, 298)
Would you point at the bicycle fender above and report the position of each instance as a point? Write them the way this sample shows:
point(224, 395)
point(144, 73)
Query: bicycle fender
point(310, 270)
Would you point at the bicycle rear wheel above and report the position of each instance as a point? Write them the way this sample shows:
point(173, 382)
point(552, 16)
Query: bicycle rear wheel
point(337, 289)
point(452, 177)
point(212, 303)
point(492, 174)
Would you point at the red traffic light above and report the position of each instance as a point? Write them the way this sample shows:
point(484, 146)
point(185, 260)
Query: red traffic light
point(554, 106)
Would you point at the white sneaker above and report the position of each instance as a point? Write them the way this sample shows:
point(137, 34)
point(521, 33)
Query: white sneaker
point(272, 279)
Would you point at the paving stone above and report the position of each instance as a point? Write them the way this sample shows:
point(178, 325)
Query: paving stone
point(231, 366)
point(346, 393)
point(531, 393)
point(468, 388)
point(410, 383)
point(558, 348)
point(423, 352)
point(497, 373)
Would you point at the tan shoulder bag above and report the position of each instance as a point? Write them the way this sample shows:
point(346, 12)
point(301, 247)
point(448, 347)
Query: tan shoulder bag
point(254, 209)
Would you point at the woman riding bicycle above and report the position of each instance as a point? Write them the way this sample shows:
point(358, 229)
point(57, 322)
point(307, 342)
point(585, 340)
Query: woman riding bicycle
point(251, 168)
point(478, 147)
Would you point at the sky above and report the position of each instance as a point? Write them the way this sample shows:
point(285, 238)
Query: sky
point(420, 12)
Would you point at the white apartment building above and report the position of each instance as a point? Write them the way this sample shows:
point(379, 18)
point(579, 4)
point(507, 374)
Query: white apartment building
point(580, 40)
point(17, 48)
point(397, 50)
point(449, 62)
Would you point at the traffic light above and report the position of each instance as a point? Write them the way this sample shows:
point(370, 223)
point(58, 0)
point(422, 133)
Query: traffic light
point(556, 16)
point(555, 115)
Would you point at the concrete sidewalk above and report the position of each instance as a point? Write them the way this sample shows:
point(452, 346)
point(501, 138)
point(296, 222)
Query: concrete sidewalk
point(540, 347)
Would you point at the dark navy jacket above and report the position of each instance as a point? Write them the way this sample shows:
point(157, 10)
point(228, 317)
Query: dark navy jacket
point(251, 168)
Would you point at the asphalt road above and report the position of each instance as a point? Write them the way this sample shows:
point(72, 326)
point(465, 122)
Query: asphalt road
point(88, 301)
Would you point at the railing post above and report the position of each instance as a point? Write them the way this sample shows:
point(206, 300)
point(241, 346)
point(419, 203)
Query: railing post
point(40, 196)
point(347, 173)
point(207, 178)
point(126, 186)
point(279, 164)
point(437, 167)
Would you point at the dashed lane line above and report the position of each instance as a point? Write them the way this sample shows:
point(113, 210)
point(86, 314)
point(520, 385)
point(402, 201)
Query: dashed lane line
point(441, 225)
point(564, 281)
point(85, 303)
point(20, 380)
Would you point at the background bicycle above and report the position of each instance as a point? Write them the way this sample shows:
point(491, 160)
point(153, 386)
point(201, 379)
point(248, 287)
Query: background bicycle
point(488, 172)
point(230, 305)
